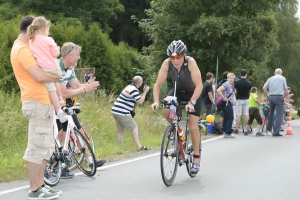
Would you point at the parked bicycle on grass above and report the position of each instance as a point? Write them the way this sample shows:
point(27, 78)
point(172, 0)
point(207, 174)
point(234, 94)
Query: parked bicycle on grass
point(76, 152)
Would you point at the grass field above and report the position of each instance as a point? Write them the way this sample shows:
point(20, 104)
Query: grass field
point(96, 114)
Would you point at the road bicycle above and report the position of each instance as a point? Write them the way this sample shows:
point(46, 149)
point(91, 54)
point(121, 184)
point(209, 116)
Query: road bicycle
point(76, 151)
point(175, 152)
point(85, 130)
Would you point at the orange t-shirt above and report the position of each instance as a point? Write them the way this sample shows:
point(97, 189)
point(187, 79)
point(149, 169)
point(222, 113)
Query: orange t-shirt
point(22, 59)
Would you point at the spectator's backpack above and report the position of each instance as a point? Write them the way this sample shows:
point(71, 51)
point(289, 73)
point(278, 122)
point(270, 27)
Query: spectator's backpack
point(217, 128)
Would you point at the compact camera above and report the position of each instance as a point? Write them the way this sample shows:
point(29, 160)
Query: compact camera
point(145, 85)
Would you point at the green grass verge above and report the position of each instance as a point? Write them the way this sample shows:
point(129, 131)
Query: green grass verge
point(96, 114)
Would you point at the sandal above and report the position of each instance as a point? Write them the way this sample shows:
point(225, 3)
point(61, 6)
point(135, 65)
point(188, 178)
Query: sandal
point(144, 148)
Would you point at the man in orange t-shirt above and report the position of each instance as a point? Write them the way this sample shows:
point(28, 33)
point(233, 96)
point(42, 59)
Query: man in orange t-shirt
point(37, 108)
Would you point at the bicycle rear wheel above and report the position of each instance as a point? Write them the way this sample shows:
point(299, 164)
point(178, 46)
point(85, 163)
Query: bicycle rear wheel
point(88, 134)
point(53, 169)
point(169, 156)
point(83, 156)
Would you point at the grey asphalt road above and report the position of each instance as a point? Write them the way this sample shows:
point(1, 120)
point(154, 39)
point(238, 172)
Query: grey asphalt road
point(245, 167)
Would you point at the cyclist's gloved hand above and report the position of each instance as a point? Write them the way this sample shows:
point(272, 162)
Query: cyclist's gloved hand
point(154, 106)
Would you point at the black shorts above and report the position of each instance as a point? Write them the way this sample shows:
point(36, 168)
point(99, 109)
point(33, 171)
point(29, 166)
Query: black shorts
point(64, 125)
point(185, 96)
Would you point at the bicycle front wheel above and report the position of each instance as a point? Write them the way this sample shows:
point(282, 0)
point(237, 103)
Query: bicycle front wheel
point(169, 156)
point(53, 169)
point(82, 154)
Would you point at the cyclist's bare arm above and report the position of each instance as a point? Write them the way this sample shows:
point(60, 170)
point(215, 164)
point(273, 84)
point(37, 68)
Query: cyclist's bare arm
point(161, 78)
point(42, 77)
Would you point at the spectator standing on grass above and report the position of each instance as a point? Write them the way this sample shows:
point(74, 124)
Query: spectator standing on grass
point(276, 88)
point(123, 107)
point(70, 55)
point(226, 91)
point(207, 94)
point(38, 109)
point(254, 113)
point(224, 75)
point(242, 87)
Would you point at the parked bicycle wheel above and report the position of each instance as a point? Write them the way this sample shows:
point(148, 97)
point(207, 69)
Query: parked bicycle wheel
point(88, 134)
point(169, 156)
point(53, 169)
point(83, 156)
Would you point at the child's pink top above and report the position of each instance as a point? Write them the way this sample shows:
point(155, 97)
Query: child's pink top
point(45, 50)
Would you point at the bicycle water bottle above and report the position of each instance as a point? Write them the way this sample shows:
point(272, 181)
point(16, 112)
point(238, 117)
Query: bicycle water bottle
point(181, 135)
point(172, 114)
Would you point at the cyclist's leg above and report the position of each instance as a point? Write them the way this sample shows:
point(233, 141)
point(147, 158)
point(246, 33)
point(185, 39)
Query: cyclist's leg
point(168, 98)
point(195, 134)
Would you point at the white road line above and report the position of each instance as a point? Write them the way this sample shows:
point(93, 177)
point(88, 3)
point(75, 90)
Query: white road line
point(104, 167)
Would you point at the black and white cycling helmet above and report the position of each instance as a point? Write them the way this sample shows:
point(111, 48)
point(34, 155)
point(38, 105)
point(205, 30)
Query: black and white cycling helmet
point(176, 48)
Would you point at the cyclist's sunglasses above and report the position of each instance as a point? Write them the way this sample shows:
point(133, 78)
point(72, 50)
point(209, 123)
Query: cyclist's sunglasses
point(73, 46)
point(176, 57)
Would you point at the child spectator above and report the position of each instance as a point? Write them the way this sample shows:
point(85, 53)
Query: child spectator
point(46, 51)
point(261, 108)
point(254, 112)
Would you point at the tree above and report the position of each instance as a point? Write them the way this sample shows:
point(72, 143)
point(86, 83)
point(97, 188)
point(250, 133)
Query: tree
point(60, 10)
point(241, 33)
point(125, 29)
point(287, 57)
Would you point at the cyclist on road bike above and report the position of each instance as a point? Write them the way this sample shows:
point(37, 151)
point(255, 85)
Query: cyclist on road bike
point(70, 54)
point(184, 70)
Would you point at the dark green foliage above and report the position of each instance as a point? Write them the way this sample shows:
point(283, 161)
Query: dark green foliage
point(59, 10)
point(125, 29)
point(115, 64)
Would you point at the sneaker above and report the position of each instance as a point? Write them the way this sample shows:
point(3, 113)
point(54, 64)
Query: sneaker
point(61, 116)
point(259, 134)
point(66, 174)
point(61, 102)
point(246, 133)
point(228, 136)
point(52, 190)
point(281, 129)
point(236, 131)
point(99, 163)
point(195, 167)
point(42, 193)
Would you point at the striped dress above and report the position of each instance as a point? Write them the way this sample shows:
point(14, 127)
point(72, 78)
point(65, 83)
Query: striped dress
point(126, 101)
